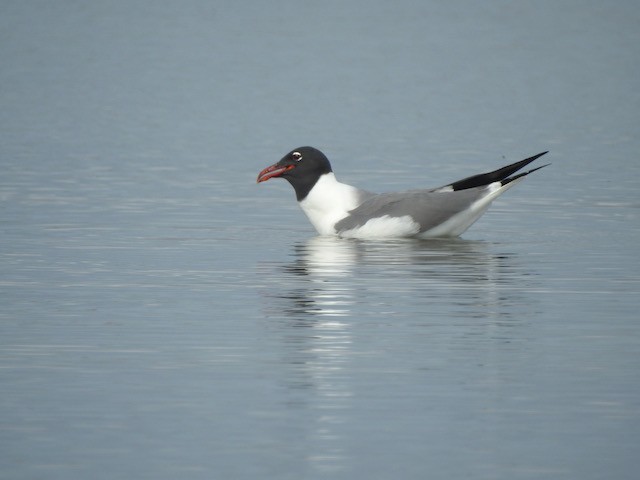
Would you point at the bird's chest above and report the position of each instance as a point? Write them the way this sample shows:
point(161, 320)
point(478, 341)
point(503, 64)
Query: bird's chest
point(327, 203)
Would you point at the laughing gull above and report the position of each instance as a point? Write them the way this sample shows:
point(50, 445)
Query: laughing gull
point(336, 208)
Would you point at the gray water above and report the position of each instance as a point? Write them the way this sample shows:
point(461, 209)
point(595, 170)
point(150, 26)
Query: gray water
point(162, 316)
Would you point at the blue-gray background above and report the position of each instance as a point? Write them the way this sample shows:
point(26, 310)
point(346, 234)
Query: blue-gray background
point(162, 316)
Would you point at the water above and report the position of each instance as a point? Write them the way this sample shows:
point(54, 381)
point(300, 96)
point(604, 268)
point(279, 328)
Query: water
point(164, 317)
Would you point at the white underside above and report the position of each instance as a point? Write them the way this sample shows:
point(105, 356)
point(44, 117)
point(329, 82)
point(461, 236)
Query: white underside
point(330, 201)
point(385, 227)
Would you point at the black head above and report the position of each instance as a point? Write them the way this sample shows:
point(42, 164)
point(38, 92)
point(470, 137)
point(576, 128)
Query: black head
point(301, 167)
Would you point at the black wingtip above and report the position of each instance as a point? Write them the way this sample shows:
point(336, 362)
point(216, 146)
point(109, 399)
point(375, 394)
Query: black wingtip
point(524, 174)
point(539, 155)
point(500, 175)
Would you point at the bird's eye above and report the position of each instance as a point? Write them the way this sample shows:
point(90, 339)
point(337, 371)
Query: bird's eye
point(297, 156)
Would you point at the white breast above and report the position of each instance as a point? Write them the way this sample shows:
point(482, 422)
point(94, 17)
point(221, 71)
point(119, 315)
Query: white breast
point(328, 202)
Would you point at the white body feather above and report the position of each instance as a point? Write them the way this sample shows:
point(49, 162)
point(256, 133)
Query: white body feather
point(328, 202)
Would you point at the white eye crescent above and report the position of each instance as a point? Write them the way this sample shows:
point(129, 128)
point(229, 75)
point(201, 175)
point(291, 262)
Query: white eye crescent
point(297, 156)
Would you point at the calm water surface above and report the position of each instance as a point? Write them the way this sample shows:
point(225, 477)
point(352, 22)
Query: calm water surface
point(164, 317)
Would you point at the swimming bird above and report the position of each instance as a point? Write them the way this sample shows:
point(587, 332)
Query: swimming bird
point(335, 208)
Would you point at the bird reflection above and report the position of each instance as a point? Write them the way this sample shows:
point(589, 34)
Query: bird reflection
point(312, 299)
point(334, 277)
point(322, 264)
point(330, 285)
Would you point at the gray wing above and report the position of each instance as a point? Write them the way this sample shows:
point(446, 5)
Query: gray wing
point(428, 208)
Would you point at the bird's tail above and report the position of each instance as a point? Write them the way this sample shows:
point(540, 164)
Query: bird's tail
point(500, 175)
